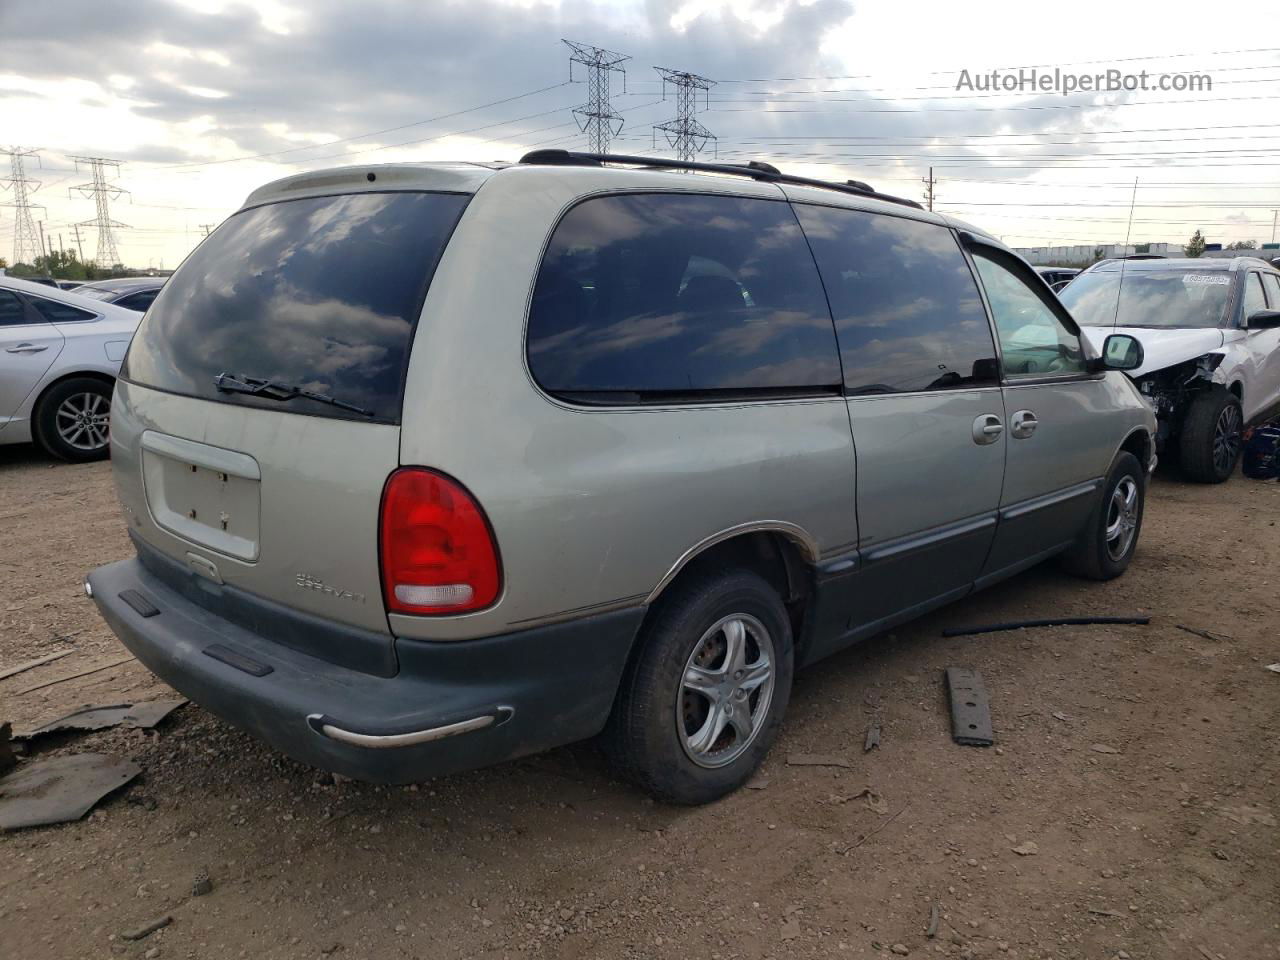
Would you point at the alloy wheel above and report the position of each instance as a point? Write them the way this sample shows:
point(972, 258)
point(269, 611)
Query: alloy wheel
point(1226, 439)
point(1122, 518)
point(726, 690)
point(84, 421)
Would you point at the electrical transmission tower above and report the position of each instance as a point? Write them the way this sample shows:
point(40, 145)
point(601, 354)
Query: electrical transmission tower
point(26, 244)
point(597, 117)
point(101, 191)
point(685, 134)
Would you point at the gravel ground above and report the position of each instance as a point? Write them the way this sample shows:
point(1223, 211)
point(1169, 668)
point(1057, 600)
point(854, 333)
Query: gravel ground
point(1162, 844)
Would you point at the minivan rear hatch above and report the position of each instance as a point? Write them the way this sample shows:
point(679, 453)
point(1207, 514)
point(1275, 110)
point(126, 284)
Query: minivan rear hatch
point(257, 417)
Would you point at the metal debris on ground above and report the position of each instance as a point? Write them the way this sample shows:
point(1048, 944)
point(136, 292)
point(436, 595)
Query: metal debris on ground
point(817, 760)
point(147, 929)
point(873, 737)
point(1274, 667)
point(60, 789)
point(970, 708)
point(1052, 622)
point(141, 716)
point(935, 915)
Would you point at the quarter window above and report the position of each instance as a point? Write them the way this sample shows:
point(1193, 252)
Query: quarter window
point(1273, 289)
point(680, 297)
point(12, 312)
point(1254, 298)
point(57, 312)
point(1033, 340)
point(907, 310)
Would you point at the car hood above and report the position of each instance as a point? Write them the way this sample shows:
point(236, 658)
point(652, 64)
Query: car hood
point(1161, 347)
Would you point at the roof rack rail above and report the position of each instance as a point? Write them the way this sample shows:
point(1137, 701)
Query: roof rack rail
point(755, 169)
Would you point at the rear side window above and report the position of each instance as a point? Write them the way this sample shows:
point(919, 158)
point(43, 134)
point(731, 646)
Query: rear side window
point(321, 293)
point(907, 310)
point(57, 312)
point(671, 297)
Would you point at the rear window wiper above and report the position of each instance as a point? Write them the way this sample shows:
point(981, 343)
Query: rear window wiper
point(271, 390)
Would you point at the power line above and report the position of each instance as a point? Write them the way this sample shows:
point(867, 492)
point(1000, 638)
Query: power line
point(26, 246)
point(101, 192)
point(597, 118)
point(366, 135)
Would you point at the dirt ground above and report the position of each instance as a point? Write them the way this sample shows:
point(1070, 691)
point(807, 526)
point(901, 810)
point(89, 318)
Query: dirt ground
point(1163, 844)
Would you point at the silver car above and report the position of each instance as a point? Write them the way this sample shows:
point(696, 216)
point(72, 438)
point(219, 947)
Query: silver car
point(432, 466)
point(59, 355)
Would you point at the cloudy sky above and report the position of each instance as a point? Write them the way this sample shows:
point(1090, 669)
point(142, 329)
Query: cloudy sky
point(202, 100)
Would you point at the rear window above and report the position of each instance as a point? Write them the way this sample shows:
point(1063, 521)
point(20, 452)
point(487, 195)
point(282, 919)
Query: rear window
point(680, 298)
point(321, 294)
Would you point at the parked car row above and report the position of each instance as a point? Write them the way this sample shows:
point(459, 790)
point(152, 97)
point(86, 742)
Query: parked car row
point(60, 353)
point(602, 449)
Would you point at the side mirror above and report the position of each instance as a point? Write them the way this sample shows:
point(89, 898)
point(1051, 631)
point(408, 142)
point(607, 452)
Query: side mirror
point(1122, 352)
point(1264, 319)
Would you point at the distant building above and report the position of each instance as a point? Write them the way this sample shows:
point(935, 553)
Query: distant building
point(1083, 254)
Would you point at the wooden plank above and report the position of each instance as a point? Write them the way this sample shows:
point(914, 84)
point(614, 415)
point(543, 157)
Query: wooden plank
point(23, 667)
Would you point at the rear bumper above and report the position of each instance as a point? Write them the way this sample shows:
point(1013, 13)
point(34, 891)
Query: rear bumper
point(451, 706)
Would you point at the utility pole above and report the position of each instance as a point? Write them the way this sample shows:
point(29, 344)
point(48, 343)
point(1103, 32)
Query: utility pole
point(686, 135)
point(1274, 214)
point(25, 249)
point(101, 192)
point(597, 118)
point(207, 227)
point(79, 245)
point(930, 188)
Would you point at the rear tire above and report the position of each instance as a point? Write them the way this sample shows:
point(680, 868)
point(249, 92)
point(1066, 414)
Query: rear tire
point(1111, 533)
point(73, 420)
point(703, 700)
point(1209, 446)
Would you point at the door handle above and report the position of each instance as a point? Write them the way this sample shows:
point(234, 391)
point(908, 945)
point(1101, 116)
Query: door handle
point(1023, 424)
point(987, 429)
point(27, 348)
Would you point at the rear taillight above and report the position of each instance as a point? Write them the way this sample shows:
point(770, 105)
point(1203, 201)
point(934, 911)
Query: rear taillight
point(438, 555)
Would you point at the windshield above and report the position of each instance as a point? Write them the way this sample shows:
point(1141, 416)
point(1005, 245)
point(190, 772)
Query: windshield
point(1165, 298)
point(321, 294)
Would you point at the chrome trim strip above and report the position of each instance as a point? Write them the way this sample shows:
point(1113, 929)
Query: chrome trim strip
point(798, 535)
point(202, 455)
point(399, 739)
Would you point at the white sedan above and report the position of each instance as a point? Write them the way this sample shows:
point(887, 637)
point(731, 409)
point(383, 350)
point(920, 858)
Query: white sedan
point(60, 354)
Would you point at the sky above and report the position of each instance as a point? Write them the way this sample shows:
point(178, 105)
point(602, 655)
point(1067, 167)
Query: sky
point(201, 101)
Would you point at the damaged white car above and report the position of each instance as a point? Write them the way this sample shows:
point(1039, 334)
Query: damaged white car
point(1210, 330)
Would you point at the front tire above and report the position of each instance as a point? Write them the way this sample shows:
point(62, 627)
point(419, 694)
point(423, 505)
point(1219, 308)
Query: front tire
point(1210, 445)
point(73, 420)
point(703, 701)
point(1110, 537)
